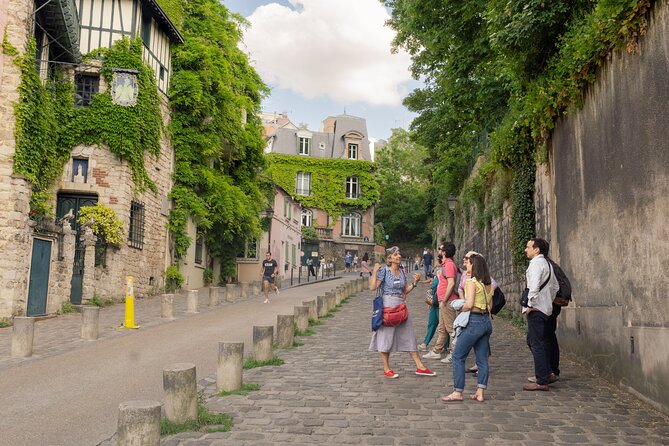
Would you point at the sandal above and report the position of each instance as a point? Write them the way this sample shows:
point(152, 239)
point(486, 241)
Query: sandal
point(476, 397)
point(450, 398)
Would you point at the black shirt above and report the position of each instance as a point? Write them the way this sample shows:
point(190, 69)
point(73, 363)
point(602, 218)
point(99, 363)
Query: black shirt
point(269, 267)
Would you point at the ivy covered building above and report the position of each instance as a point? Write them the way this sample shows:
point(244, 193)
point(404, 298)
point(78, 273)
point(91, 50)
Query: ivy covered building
point(331, 174)
point(79, 131)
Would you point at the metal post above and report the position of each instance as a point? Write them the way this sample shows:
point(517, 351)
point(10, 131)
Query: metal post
point(291, 275)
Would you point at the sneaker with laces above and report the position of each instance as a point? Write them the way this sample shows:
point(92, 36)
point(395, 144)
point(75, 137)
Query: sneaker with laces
point(425, 372)
point(447, 359)
point(390, 374)
point(432, 355)
point(266, 301)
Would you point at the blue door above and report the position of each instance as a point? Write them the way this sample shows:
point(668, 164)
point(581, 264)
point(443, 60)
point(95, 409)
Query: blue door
point(38, 287)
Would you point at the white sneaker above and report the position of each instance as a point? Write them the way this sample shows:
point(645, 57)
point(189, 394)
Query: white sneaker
point(277, 290)
point(266, 301)
point(447, 359)
point(432, 355)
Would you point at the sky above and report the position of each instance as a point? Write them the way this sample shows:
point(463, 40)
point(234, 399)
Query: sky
point(328, 57)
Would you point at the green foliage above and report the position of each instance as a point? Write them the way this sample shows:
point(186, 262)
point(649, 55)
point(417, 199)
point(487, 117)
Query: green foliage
point(48, 126)
point(208, 276)
point(307, 332)
point(498, 74)
point(297, 343)
point(328, 182)
point(105, 223)
point(245, 390)
point(219, 422)
point(67, 308)
point(313, 323)
point(7, 47)
point(174, 11)
point(173, 278)
point(218, 157)
point(404, 180)
point(516, 320)
point(99, 302)
point(5, 322)
point(252, 363)
point(309, 233)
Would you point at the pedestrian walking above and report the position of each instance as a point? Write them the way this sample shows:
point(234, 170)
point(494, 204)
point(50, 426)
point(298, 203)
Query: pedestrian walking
point(542, 286)
point(394, 286)
point(428, 258)
point(347, 262)
point(432, 303)
point(310, 267)
point(476, 333)
point(364, 266)
point(269, 270)
point(355, 263)
point(321, 266)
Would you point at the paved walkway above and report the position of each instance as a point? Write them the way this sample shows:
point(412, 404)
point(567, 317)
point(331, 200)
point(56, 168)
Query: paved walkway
point(331, 390)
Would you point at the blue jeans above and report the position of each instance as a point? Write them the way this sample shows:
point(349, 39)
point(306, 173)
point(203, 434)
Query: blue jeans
point(432, 322)
point(537, 323)
point(475, 335)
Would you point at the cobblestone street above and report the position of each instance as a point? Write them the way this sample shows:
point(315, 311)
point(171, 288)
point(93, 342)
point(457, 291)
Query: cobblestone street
point(332, 390)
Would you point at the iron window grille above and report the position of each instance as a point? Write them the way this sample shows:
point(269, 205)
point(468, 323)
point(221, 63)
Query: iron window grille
point(199, 247)
point(87, 85)
point(136, 235)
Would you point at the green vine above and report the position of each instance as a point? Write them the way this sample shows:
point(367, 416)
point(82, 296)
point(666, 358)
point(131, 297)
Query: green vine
point(7, 47)
point(48, 125)
point(105, 223)
point(328, 182)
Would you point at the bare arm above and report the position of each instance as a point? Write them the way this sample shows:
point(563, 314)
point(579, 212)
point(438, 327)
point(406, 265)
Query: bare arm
point(470, 296)
point(373, 283)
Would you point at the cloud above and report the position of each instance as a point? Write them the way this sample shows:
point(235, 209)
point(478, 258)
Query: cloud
point(339, 49)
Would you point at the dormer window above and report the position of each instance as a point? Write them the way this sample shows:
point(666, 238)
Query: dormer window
point(352, 151)
point(304, 146)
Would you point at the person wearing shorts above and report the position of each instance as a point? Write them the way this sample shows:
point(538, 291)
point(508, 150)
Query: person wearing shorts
point(269, 270)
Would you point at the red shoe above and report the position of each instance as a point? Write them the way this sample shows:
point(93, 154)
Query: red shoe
point(390, 374)
point(425, 372)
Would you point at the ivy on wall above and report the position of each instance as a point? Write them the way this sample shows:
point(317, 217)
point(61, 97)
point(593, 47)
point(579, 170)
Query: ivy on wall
point(328, 182)
point(174, 11)
point(48, 126)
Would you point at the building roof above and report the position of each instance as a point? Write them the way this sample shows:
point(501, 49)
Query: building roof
point(163, 20)
point(60, 20)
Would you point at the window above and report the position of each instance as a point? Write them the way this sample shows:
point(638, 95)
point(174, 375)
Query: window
point(304, 146)
point(287, 209)
point(352, 188)
point(87, 85)
point(136, 235)
point(293, 252)
point(249, 251)
point(303, 186)
point(146, 30)
point(307, 217)
point(199, 247)
point(352, 152)
point(350, 225)
point(80, 170)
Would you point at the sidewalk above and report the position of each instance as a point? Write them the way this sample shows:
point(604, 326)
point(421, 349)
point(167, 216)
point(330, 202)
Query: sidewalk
point(331, 391)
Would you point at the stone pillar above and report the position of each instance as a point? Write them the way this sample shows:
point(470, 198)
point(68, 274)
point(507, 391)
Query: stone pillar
point(23, 333)
point(167, 306)
point(90, 322)
point(256, 288)
point(321, 306)
point(213, 296)
point(330, 301)
point(313, 312)
point(262, 342)
point(301, 318)
point(285, 330)
point(180, 386)
point(230, 292)
point(192, 298)
point(230, 365)
point(244, 290)
point(88, 278)
point(138, 423)
point(338, 295)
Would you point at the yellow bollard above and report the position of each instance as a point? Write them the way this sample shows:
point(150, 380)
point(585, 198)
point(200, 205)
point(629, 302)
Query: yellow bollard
point(129, 305)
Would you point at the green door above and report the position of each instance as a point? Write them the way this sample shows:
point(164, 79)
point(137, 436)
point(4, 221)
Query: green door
point(75, 202)
point(38, 286)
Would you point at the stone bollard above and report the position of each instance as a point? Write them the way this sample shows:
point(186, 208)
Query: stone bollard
point(321, 306)
point(214, 296)
point(230, 365)
point(361, 284)
point(192, 301)
point(230, 292)
point(313, 312)
point(244, 290)
point(256, 288)
point(180, 387)
point(138, 423)
point(331, 301)
point(262, 342)
point(23, 333)
point(285, 330)
point(338, 294)
point(90, 321)
point(301, 318)
point(167, 306)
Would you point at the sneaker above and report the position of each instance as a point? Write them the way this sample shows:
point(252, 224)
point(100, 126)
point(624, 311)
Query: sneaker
point(447, 359)
point(277, 290)
point(425, 372)
point(422, 347)
point(266, 301)
point(392, 375)
point(432, 355)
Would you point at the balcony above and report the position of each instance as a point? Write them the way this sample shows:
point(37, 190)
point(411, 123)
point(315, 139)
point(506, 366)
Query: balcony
point(324, 233)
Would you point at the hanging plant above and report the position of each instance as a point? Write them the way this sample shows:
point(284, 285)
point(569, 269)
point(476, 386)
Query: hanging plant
point(103, 222)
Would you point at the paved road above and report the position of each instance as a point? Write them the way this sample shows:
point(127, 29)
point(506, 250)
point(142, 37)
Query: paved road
point(68, 393)
point(331, 391)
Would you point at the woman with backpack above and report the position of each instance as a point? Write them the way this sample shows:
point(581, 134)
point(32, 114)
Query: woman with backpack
point(393, 284)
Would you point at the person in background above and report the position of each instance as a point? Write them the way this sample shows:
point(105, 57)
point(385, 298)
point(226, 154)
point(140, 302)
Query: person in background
point(394, 286)
point(269, 270)
point(428, 258)
point(476, 334)
point(433, 306)
point(355, 263)
point(347, 262)
point(321, 266)
point(364, 266)
point(310, 265)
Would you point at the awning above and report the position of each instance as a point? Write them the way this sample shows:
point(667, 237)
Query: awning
point(60, 20)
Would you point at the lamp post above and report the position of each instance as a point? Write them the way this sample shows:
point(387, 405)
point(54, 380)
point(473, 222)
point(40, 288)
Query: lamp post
point(269, 213)
point(452, 200)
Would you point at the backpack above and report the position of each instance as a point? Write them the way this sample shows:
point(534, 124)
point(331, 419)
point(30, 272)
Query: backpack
point(498, 301)
point(563, 296)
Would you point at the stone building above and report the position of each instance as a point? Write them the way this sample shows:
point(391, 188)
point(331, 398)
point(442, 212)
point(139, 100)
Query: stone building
point(45, 263)
point(342, 137)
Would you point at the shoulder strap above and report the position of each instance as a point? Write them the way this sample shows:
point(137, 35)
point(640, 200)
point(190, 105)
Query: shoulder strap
point(550, 270)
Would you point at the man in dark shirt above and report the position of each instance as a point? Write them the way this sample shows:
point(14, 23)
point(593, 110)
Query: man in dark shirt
point(269, 270)
point(427, 262)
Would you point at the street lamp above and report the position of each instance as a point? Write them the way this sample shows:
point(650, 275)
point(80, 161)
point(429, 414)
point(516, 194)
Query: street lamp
point(452, 200)
point(269, 213)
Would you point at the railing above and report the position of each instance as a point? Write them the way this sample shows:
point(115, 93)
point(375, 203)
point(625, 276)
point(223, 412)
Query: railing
point(324, 233)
